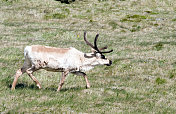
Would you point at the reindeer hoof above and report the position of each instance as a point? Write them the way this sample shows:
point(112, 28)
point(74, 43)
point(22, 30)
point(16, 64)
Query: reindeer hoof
point(39, 86)
point(88, 86)
point(12, 89)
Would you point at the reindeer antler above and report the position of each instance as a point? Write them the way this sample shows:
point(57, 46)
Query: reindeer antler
point(95, 44)
point(85, 39)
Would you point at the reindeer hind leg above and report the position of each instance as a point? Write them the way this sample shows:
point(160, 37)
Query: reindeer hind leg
point(19, 72)
point(17, 75)
point(26, 65)
point(29, 72)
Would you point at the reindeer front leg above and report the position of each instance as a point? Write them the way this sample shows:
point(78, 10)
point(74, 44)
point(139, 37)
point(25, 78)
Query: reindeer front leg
point(85, 77)
point(64, 74)
point(87, 82)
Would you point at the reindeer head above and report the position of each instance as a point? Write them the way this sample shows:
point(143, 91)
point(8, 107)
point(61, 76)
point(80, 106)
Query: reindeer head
point(97, 52)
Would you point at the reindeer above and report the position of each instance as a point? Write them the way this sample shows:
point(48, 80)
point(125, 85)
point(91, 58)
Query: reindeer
point(65, 60)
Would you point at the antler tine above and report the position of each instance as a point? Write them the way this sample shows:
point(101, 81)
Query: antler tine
point(88, 43)
point(107, 51)
point(95, 43)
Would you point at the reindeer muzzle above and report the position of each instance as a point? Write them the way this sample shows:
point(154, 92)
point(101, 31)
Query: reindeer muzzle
point(110, 62)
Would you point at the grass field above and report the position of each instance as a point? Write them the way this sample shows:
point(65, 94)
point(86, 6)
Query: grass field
point(142, 34)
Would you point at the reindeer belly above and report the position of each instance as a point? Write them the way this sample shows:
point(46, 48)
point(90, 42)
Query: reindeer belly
point(48, 64)
point(56, 64)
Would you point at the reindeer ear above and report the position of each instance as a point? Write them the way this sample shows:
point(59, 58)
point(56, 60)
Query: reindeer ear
point(88, 55)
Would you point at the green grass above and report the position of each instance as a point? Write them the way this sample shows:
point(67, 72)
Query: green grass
point(140, 80)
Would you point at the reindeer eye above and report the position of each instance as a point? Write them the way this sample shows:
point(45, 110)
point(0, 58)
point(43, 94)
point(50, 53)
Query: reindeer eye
point(102, 56)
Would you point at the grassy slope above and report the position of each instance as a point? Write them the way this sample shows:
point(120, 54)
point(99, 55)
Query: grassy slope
point(142, 34)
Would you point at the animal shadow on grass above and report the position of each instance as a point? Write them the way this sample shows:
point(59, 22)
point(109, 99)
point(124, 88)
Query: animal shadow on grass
point(33, 86)
point(66, 1)
point(23, 86)
point(66, 89)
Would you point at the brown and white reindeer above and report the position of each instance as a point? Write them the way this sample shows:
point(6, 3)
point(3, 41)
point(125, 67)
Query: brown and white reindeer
point(65, 60)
